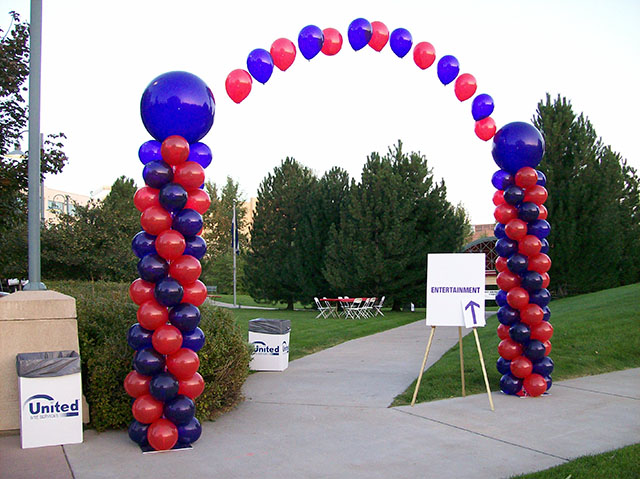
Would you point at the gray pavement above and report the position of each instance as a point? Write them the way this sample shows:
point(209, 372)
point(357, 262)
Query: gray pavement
point(327, 416)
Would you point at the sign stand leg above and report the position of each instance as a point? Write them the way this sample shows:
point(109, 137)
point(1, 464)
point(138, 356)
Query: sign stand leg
point(484, 370)
point(424, 362)
point(461, 361)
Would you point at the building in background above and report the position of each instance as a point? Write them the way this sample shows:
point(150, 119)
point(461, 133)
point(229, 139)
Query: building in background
point(55, 201)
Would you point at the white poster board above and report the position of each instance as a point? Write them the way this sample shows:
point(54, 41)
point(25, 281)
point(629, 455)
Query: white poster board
point(455, 289)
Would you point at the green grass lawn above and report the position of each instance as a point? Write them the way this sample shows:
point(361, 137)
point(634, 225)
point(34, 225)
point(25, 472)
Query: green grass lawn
point(593, 333)
point(246, 300)
point(621, 463)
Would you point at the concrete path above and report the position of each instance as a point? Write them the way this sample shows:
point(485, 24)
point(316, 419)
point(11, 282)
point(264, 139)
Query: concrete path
point(327, 416)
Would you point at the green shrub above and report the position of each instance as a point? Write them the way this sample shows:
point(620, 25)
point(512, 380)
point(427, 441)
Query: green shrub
point(105, 314)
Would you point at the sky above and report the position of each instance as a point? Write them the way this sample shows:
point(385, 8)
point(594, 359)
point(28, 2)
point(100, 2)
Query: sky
point(98, 58)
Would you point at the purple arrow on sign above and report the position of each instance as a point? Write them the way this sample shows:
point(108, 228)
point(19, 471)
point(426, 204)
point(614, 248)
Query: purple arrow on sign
point(472, 304)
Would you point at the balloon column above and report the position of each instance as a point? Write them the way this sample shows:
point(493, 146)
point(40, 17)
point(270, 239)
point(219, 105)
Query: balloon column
point(177, 109)
point(523, 263)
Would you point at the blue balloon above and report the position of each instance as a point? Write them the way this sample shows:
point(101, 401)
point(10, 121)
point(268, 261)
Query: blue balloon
point(517, 263)
point(545, 246)
point(519, 332)
point(531, 281)
point(150, 151)
point(503, 365)
point(501, 180)
point(185, 317)
point(505, 247)
point(201, 154)
point(148, 362)
point(310, 41)
point(507, 315)
point(359, 33)
point(510, 384)
point(260, 65)
point(156, 174)
point(173, 197)
point(139, 337)
point(499, 231)
point(541, 297)
point(539, 228)
point(177, 103)
point(528, 211)
point(482, 107)
point(180, 409)
point(189, 432)
point(547, 313)
point(138, 432)
point(193, 340)
point(501, 298)
point(153, 268)
point(196, 246)
point(543, 366)
point(448, 69)
point(513, 195)
point(549, 382)
point(542, 179)
point(400, 41)
point(534, 350)
point(517, 145)
point(188, 222)
point(168, 292)
point(164, 387)
point(143, 244)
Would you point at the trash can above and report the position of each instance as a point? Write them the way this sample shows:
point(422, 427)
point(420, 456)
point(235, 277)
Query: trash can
point(270, 340)
point(50, 398)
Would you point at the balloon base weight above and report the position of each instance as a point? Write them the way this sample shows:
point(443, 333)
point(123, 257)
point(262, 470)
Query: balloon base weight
point(147, 449)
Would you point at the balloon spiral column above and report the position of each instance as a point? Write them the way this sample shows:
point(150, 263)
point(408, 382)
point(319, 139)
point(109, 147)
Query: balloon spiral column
point(177, 109)
point(523, 263)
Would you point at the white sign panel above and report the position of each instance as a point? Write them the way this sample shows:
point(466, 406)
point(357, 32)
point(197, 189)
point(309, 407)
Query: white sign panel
point(455, 289)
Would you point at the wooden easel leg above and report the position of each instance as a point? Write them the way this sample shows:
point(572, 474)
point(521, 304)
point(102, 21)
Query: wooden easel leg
point(424, 362)
point(461, 361)
point(484, 370)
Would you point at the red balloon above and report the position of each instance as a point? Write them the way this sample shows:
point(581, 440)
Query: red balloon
point(189, 174)
point(465, 86)
point(501, 264)
point(516, 229)
point(162, 435)
point(526, 177)
point(199, 200)
point(238, 85)
point(141, 291)
point(192, 387)
point(332, 41)
point(503, 331)
point(424, 54)
point(498, 198)
point(505, 213)
point(485, 128)
point(166, 339)
point(194, 293)
point(507, 280)
point(155, 219)
point(186, 269)
point(147, 409)
point(170, 244)
point(536, 194)
point(543, 212)
point(545, 280)
point(542, 331)
point(547, 348)
point(174, 150)
point(529, 245)
point(509, 349)
point(146, 197)
point(534, 385)
point(183, 363)
point(283, 52)
point(539, 263)
point(151, 315)
point(517, 297)
point(521, 367)
point(379, 36)
point(136, 384)
point(531, 315)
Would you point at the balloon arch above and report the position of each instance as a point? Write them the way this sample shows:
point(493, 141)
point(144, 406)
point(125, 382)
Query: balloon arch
point(177, 109)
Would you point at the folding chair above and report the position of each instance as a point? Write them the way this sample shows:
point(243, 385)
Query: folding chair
point(377, 308)
point(366, 310)
point(324, 311)
point(351, 308)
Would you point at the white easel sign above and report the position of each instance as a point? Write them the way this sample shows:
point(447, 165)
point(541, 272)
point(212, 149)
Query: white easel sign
point(455, 290)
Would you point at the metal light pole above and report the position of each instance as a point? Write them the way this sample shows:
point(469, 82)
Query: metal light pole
point(35, 46)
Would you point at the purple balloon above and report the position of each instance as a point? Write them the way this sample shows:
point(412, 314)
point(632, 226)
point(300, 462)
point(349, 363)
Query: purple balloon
point(359, 33)
point(196, 247)
point(185, 317)
point(180, 409)
point(153, 268)
point(499, 231)
point(143, 244)
point(173, 197)
point(505, 247)
point(503, 365)
point(150, 151)
point(516, 145)
point(260, 65)
point(148, 362)
point(448, 69)
point(188, 222)
point(510, 384)
point(482, 107)
point(310, 41)
point(400, 41)
point(138, 432)
point(168, 292)
point(164, 387)
point(502, 179)
point(189, 432)
point(200, 153)
point(193, 340)
point(542, 179)
point(139, 337)
point(156, 174)
point(539, 228)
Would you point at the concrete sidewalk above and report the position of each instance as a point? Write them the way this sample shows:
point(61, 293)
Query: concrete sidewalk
point(328, 416)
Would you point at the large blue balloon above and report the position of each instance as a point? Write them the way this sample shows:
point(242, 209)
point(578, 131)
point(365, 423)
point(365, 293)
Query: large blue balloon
point(177, 103)
point(510, 384)
point(156, 174)
point(148, 362)
point(180, 409)
point(138, 337)
point(196, 246)
point(501, 180)
point(200, 153)
point(517, 145)
point(482, 107)
point(173, 197)
point(359, 33)
point(185, 317)
point(143, 244)
point(448, 69)
point(310, 41)
point(150, 151)
point(168, 292)
point(193, 340)
point(189, 432)
point(260, 65)
point(138, 432)
point(164, 387)
point(400, 41)
point(153, 268)
point(188, 222)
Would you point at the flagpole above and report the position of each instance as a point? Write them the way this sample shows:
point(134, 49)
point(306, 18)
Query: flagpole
point(234, 229)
